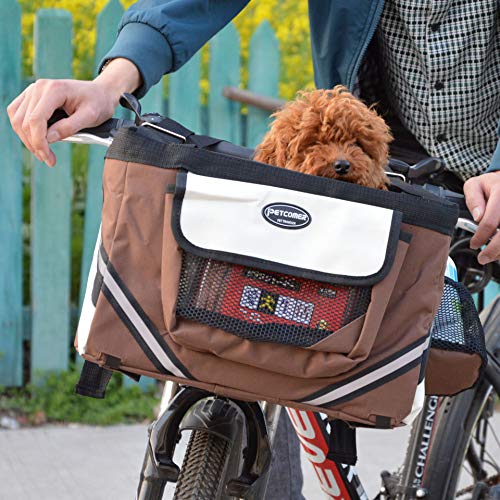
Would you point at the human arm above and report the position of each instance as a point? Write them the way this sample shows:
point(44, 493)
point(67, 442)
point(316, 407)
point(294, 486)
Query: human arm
point(156, 36)
point(159, 36)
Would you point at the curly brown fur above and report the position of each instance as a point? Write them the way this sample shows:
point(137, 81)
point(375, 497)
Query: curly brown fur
point(322, 126)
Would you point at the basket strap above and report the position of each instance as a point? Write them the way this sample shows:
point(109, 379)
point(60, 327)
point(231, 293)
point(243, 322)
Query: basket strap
point(93, 380)
point(342, 444)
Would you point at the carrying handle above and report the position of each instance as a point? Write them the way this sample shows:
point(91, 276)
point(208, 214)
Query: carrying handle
point(131, 102)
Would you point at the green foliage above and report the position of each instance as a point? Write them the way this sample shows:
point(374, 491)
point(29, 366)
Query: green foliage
point(56, 401)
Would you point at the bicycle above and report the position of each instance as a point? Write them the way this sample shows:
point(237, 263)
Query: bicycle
point(229, 451)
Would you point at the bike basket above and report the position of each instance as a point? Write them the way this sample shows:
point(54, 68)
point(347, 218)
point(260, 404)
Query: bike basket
point(458, 353)
point(260, 283)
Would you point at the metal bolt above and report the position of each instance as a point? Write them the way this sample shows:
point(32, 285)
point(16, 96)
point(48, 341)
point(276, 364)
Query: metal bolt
point(421, 493)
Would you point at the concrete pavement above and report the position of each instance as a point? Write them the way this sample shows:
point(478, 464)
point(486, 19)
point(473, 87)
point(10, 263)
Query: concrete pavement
point(102, 463)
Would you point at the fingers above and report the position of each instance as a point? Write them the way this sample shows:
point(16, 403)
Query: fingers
point(51, 96)
point(17, 111)
point(30, 111)
point(83, 117)
point(488, 227)
point(475, 197)
point(28, 122)
point(491, 252)
point(14, 105)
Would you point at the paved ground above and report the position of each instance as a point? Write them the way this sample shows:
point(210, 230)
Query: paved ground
point(95, 463)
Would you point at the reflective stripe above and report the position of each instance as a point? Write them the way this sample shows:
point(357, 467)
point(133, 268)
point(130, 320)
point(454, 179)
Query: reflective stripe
point(137, 321)
point(371, 377)
point(88, 307)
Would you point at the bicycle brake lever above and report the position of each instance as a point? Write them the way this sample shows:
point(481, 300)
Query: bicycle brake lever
point(426, 167)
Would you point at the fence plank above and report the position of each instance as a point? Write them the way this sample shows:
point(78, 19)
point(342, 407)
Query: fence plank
point(153, 101)
point(107, 21)
point(51, 213)
point(263, 77)
point(184, 95)
point(11, 278)
point(224, 119)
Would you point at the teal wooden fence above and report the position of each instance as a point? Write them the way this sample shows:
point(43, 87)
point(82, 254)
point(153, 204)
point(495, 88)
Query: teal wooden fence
point(45, 321)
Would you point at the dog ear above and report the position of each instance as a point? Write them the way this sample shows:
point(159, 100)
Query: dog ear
point(273, 148)
point(375, 137)
point(284, 140)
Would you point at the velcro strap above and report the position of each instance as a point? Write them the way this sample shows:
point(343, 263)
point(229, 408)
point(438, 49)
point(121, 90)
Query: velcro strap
point(342, 445)
point(93, 380)
point(200, 141)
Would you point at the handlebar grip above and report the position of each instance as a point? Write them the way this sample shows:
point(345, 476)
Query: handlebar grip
point(104, 130)
point(58, 115)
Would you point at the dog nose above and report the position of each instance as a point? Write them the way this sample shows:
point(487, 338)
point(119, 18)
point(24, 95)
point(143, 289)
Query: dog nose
point(341, 167)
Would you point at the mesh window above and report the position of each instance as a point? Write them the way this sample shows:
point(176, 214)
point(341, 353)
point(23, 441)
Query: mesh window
point(456, 326)
point(264, 306)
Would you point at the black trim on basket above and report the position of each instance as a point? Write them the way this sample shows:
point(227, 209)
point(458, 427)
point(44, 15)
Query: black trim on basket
point(97, 286)
point(145, 318)
point(366, 371)
point(267, 265)
point(425, 359)
point(133, 330)
point(377, 383)
point(421, 208)
point(406, 237)
point(231, 325)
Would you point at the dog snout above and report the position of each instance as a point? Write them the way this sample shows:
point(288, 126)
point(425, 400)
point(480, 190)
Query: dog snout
point(341, 167)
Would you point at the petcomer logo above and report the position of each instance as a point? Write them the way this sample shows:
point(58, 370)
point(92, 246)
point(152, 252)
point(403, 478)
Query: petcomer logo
point(286, 215)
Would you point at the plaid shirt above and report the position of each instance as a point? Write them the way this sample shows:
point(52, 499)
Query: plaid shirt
point(441, 69)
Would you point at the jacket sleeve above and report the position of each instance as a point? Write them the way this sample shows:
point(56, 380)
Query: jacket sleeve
point(495, 160)
point(159, 36)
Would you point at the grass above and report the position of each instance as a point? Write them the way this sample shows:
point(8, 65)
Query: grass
point(54, 400)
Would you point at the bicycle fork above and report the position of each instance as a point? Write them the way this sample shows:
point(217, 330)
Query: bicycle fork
point(198, 410)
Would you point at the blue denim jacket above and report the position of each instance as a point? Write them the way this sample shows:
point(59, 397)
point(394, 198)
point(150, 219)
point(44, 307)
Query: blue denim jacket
point(159, 36)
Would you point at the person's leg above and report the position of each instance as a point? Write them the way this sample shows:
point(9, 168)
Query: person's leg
point(285, 478)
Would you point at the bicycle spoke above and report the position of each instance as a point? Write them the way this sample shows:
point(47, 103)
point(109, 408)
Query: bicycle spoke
point(492, 462)
point(492, 430)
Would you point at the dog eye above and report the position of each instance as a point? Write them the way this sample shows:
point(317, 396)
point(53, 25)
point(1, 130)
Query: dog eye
point(358, 144)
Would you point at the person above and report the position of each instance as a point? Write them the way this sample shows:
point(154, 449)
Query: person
point(432, 66)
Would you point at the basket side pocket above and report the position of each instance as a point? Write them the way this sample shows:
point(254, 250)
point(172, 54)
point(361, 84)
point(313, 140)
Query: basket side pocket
point(458, 351)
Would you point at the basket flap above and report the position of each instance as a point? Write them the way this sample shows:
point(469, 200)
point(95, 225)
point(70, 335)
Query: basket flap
point(286, 231)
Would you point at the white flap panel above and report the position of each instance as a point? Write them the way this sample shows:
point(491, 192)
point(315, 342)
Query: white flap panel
point(317, 233)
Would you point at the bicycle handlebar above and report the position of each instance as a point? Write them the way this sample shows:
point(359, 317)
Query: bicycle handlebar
point(103, 135)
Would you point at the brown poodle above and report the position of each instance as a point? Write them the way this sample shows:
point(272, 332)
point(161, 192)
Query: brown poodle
point(332, 134)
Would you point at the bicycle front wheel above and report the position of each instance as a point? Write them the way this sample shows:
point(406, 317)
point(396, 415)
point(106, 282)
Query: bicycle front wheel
point(458, 458)
point(203, 470)
point(465, 449)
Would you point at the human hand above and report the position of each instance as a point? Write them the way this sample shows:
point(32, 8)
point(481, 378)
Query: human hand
point(482, 195)
point(87, 103)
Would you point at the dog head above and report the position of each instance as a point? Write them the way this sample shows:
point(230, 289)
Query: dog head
point(332, 134)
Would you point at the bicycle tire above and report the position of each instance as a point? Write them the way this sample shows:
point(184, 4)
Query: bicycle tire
point(456, 423)
point(452, 437)
point(203, 469)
